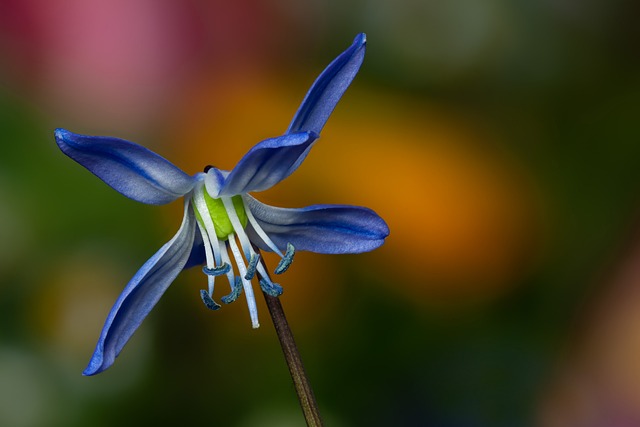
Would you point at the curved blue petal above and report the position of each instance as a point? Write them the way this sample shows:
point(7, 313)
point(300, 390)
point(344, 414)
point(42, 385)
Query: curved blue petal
point(328, 88)
point(325, 229)
point(129, 168)
point(142, 293)
point(266, 164)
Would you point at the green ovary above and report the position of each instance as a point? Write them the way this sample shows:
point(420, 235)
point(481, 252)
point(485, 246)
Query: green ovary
point(219, 216)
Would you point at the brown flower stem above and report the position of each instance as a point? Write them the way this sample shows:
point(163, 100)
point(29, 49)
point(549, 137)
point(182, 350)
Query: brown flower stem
point(294, 362)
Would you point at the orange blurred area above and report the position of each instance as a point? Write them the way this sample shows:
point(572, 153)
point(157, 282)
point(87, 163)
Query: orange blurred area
point(464, 216)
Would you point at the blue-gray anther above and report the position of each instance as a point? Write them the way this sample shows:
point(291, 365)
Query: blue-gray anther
point(251, 268)
point(216, 271)
point(208, 301)
point(286, 260)
point(270, 288)
point(235, 292)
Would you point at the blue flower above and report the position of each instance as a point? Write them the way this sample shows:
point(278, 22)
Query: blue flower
point(223, 225)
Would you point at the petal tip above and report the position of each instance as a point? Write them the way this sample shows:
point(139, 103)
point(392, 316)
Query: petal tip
point(360, 39)
point(385, 231)
point(95, 366)
point(67, 141)
point(89, 372)
point(61, 135)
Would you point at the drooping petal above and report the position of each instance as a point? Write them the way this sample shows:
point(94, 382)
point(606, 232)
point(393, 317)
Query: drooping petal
point(328, 88)
point(266, 164)
point(129, 168)
point(142, 293)
point(326, 229)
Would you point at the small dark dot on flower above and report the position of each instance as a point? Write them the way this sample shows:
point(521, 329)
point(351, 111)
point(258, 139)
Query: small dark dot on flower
point(206, 168)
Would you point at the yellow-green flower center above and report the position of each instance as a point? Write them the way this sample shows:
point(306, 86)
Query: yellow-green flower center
point(219, 215)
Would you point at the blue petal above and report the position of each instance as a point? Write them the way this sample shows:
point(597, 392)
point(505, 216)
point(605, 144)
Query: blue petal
point(129, 168)
point(266, 164)
point(142, 293)
point(326, 229)
point(327, 90)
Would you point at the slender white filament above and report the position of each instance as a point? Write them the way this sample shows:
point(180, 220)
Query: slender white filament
point(262, 271)
point(225, 258)
point(260, 231)
point(246, 284)
point(208, 256)
point(203, 210)
point(237, 226)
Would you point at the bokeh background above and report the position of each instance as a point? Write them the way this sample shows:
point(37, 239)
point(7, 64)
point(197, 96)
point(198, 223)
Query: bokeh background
point(499, 139)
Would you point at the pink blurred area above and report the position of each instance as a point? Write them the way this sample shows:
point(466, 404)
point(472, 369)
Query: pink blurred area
point(118, 65)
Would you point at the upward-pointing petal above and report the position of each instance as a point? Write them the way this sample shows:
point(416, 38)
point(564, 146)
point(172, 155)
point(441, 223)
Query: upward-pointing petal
point(142, 293)
point(129, 168)
point(328, 88)
point(272, 160)
point(266, 164)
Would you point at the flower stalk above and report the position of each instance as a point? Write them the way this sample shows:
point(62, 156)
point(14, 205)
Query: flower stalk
point(301, 383)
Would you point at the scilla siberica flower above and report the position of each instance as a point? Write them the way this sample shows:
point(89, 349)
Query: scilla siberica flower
point(221, 220)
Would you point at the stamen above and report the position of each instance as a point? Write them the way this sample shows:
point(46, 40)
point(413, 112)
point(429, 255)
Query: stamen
point(260, 231)
point(217, 271)
point(237, 226)
point(248, 290)
point(208, 301)
point(235, 292)
point(270, 288)
point(215, 244)
point(286, 260)
point(203, 210)
point(225, 258)
point(251, 269)
point(208, 256)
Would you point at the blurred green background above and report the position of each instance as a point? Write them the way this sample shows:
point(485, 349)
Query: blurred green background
point(499, 139)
